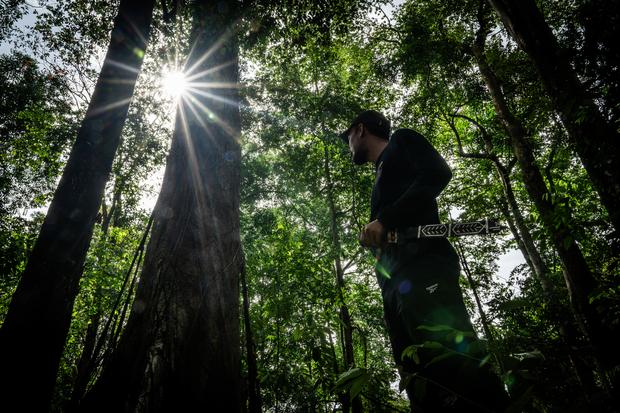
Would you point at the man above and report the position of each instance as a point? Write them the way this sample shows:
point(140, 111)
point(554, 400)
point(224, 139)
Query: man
point(444, 365)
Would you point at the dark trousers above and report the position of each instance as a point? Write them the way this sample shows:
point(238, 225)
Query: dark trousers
point(447, 368)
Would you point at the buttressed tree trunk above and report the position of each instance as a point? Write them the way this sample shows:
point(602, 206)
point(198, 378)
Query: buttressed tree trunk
point(35, 329)
point(596, 141)
point(180, 350)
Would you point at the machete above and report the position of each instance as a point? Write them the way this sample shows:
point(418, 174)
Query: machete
point(453, 229)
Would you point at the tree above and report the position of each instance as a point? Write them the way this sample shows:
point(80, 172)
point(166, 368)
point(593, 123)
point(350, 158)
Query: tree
point(36, 124)
point(512, 213)
point(180, 348)
point(295, 210)
point(40, 310)
point(253, 383)
point(594, 139)
point(312, 312)
point(580, 282)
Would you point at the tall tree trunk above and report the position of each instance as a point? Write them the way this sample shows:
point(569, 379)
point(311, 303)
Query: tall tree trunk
point(254, 398)
point(180, 348)
point(40, 310)
point(344, 314)
point(596, 141)
point(567, 329)
point(579, 280)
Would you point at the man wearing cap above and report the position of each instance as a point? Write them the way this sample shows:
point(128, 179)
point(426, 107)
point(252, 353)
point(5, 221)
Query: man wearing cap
point(444, 368)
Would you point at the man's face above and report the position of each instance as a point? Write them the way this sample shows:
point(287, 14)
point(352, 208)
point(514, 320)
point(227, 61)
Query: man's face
point(357, 146)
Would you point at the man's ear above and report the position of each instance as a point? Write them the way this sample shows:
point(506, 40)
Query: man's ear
point(361, 128)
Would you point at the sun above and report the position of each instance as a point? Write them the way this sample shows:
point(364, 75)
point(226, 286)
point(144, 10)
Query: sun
point(174, 84)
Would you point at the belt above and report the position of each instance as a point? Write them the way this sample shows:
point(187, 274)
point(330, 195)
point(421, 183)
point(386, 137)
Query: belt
point(452, 229)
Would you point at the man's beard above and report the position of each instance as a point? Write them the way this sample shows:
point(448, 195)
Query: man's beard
point(360, 156)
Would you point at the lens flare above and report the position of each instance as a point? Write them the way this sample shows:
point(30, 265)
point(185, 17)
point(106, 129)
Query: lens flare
point(174, 84)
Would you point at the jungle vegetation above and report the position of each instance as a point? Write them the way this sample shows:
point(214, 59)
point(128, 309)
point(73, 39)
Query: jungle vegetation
point(179, 219)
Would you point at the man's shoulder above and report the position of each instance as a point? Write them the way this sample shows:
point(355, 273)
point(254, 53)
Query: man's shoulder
point(407, 137)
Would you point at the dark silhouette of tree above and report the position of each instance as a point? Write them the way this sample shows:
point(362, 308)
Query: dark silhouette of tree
point(180, 350)
point(40, 310)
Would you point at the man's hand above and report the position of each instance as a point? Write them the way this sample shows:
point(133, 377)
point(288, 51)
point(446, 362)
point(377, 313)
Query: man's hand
point(373, 235)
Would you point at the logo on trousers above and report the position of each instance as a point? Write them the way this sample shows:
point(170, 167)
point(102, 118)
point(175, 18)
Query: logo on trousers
point(432, 288)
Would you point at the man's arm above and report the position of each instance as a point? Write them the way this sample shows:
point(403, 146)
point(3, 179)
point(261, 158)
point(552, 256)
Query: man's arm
point(432, 174)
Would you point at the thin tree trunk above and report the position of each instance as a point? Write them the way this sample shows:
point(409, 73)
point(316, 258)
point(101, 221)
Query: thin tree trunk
point(523, 236)
point(40, 310)
point(472, 285)
point(596, 141)
point(538, 265)
point(84, 369)
point(180, 348)
point(254, 398)
point(567, 330)
point(345, 316)
point(503, 206)
point(92, 349)
point(579, 280)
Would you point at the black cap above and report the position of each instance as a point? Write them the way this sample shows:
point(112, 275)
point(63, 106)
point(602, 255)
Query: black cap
point(376, 123)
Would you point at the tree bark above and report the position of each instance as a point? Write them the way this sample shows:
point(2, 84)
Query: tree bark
point(515, 233)
point(180, 348)
point(579, 280)
point(596, 141)
point(486, 326)
point(40, 310)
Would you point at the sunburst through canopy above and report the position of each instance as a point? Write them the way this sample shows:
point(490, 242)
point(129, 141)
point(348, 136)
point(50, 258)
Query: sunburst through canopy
point(174, 84)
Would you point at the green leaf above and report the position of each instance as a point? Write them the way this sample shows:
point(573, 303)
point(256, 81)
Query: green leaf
point(348, 376)
point(358, 384)
point(352, 381)
point(412, 353)
point(535, 354)
point(484, 360)
point(515, 304)
point(432, 344)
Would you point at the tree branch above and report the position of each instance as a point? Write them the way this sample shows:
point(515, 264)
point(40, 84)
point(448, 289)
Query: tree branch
point(461, 152)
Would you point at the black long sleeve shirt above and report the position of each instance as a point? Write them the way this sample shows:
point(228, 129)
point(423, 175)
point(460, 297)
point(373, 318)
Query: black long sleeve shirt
point(410, 175)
